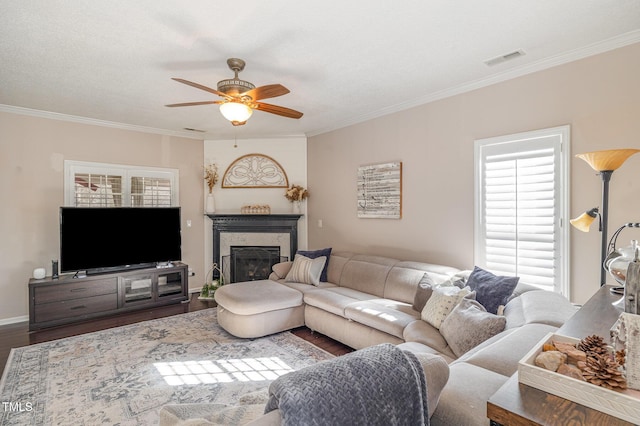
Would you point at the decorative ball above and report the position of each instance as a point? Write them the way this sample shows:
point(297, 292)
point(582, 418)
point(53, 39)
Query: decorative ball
point(39, 273)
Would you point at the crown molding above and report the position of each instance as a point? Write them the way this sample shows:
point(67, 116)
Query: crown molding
point(95, 122)
point(561, 59)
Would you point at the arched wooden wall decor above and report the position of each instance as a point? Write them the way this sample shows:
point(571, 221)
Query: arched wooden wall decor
point(255, 171)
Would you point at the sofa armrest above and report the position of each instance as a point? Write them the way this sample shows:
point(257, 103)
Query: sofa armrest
point(280, 270)
point(436, 372)
point(274, 277)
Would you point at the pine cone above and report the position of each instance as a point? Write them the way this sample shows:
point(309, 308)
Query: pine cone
point(602, 370)
point(593, 344)
point(621, 356)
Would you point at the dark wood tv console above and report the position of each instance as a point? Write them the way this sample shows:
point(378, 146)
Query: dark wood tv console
point(66, 300)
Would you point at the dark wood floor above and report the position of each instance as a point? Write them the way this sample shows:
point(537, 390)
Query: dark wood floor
point(17, 335)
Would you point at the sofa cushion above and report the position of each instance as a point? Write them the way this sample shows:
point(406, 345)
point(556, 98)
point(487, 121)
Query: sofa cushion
point(441, 303)
point(335, 299)
point(538, 306)
point(491, 290)
point(439, 273)
point(256, 297)
point(338, 260)
point(468, 325)
point(305, 288)
point(463, 400)
point(522, 288)
point(382, 314)
point(504, 353)
point(401, 283)
point(423, 292)
point(326, 252)
point(282, 269)
point(306, 270)
point(425, 334)
point(367, 274)
point(416, 348)
point(436, 373)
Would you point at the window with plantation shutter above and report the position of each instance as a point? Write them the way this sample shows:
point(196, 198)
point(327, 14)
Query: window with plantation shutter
point(113, 185)
point(521, 207)
point(97, 190)
point(150, 192)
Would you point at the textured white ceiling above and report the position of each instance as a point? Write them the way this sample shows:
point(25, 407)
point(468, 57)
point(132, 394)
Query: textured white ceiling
point(344, 61)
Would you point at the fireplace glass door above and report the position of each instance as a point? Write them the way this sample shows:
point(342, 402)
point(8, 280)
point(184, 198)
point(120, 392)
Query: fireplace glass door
point(251, 263)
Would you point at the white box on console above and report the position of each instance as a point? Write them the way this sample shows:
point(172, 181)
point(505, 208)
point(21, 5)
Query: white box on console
point(622, 404)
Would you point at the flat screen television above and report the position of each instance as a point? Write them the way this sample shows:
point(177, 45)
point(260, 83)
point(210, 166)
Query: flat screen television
point(103, 239)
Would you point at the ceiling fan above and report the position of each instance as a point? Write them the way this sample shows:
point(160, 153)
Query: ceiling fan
point(241, 97)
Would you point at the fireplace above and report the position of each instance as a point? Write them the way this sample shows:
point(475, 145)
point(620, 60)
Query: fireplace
point(252, 230)
point(250, 263)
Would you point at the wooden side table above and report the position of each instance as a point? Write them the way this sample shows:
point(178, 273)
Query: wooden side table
point(516, 404)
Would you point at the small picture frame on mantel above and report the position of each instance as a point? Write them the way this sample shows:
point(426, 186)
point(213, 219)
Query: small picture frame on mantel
point(380, 191)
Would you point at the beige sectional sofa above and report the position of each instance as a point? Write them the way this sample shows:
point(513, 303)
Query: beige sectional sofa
point(367, 300)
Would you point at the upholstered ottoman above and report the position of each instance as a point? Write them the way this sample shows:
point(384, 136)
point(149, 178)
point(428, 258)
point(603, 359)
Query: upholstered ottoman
point(257, 308)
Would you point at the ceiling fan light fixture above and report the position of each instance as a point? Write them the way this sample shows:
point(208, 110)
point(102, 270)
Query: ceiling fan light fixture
point(241, 97)
point(236, 112)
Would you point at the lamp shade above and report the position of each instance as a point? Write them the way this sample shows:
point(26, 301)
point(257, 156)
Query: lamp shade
point(609, 159)
point(236, 112)
point(584, 221)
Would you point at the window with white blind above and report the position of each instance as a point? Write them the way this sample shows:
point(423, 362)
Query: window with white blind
point(112, 185)
point(521, 207)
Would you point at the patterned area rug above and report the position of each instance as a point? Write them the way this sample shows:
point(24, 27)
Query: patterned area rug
point(125, 375)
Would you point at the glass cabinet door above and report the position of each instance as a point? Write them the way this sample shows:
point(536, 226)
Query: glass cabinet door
point(137, 287)
point(170, 283)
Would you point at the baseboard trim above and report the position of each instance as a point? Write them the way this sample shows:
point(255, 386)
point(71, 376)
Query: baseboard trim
point(14, 320)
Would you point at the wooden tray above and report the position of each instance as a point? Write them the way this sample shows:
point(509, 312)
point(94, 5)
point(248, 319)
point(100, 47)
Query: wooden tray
point(621, 404)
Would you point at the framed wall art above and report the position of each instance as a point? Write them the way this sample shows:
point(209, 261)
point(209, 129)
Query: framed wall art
point(380, 191)
point(255, 171)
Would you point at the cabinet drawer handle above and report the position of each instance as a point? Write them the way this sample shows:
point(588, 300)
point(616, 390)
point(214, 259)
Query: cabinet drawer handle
point(73, 290)
point(78, 307)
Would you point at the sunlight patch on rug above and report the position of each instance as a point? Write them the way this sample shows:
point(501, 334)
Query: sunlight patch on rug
point(125, 375)
point(222, 371)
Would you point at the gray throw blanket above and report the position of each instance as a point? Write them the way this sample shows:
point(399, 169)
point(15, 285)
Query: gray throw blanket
point(379, 385)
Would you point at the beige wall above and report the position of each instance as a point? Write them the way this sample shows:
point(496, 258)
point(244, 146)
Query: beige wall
point(32, 152)
point(598, 96)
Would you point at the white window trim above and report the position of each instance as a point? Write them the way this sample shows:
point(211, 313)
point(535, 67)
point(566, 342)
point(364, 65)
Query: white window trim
point(72, 167)
point(563, 134)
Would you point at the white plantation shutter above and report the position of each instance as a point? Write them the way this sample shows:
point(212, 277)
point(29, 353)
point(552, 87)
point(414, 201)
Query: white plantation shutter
point(521, 207)
point(97, 190)
point(150, 192)
point(113, 185)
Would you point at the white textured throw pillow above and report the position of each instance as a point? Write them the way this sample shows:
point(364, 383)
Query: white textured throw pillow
point(441, 303)
point(468, 325)
point(305, 270)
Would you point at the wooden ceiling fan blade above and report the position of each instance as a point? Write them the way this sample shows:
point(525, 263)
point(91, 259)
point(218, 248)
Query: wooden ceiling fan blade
point(268, 91)
point(201, 87)
point(194, 103)
point(278, 110)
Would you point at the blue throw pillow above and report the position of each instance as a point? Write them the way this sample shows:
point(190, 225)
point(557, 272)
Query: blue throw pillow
point(317, 253)
point(491, 290)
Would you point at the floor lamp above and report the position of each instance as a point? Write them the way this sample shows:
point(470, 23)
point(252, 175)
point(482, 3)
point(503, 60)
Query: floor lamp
point(605, 163)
